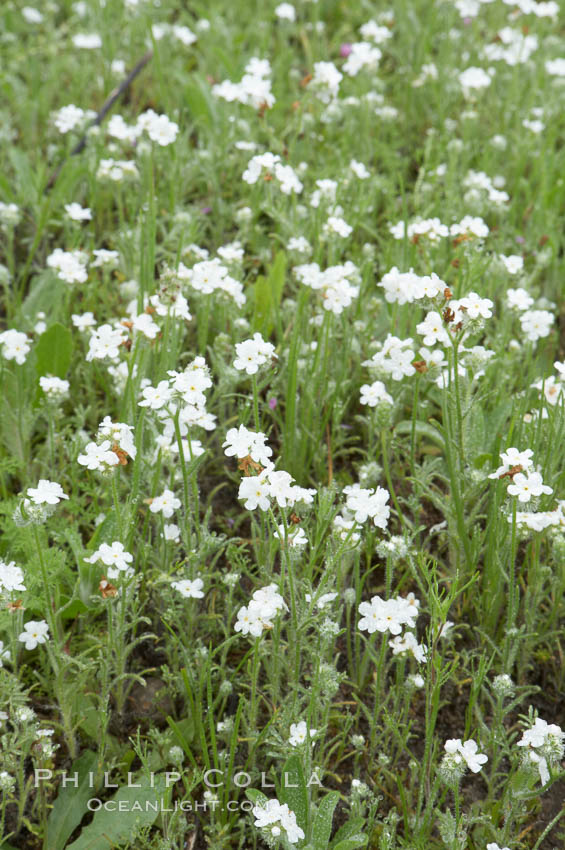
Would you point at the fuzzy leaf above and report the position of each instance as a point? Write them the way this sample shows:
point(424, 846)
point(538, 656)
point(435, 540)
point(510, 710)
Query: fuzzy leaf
point(112, 828)
point(293, 789)
point(322, 827)
point(70, 806)
point(54, 351)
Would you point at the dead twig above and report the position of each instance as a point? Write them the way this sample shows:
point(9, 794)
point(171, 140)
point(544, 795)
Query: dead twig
point(108, 104)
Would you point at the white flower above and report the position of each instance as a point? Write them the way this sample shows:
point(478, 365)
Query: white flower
point(468, 751)
point(373, 394)
point(87, 41)
point(189, 588)
point(156, 397)
point(408, 643)
point(253, 353)
point(359, 169)
point(363, 55)
point(519, 299)
point(71, 266)
point(325, 81)
point(4, 656)
point(15, 346)
point(285, 12)
point(536, 324)
point(103, 257)
point(269, 815)
point(162, 130)
point(296, 537)
point(365, 503)
point(473, 79)
point(113, 555)
point(31, 15)
point(120, 433)
point(527, 486)
point(243, 443)
point(46, 493)
point(11, 577)
point(555, 67)
point(82, 321)
point(54, 388)
point(476, 307)
point(78, 213)
point(432, 329)
point(298, 733)
point(166, 504)
point(380, 615)
point(513, 263)
point(511, 458)
point(171, 532)
point(105, 341)
point(98, 457)
point(35, 632)
point(335, 225)
point(69, 117)
point(255, 490)
point(249, 621)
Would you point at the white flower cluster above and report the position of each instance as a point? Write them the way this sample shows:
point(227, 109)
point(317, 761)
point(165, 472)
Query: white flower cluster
point(211, 276)
point(460, 756)
point(271, 164)
point(254, 88)
point(159, 128)
point(511, 46)
point(116, 170)
point(115, 557)
point(276, 820)
point(336, 284)
point(364, 503)
point(11, 578)
point(9, 215)
point(433, 230)
point(105, 342)
point(178, 31)
point(480, 186)
point(544, 746)
point(14, 345)
point(391, 615)
point(114, 443)
point(258, 616)
point(325, 81)
point(362, 56)
point(252, 354)
point(407, 287)
point(181, 399)
point(258, 490)
point(526, 483)
point(394, 358)
point(70, 266)
point(70, 117)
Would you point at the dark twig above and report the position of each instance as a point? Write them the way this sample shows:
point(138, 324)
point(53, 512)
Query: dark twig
point(108, 104)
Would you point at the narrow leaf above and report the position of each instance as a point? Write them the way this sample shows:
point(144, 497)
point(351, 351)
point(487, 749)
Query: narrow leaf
point(322, 828)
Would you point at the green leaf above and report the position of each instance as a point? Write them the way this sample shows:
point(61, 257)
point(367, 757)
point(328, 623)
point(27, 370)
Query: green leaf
point(353, 826)
point(352, 842)
point(139, 807)
point(322, 827)
point(70, 806)
point(256, 797)
point(54, 351)
point(268, 293)
point(293, 790)
point(199, 102)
